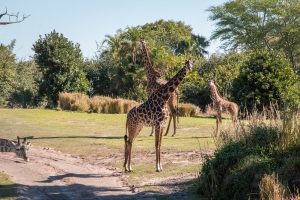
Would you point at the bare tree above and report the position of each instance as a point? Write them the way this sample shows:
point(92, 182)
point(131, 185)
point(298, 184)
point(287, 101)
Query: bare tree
point(11, 18)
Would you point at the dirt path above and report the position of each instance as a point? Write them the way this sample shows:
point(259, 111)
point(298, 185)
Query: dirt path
point(54, 175)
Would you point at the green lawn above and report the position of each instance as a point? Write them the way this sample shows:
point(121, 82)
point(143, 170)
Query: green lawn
point(101, 136)
point(97, 134)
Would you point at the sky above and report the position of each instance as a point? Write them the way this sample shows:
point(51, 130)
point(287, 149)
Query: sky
point(88, 21)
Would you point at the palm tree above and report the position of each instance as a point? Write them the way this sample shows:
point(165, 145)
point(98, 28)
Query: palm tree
point(195, 46)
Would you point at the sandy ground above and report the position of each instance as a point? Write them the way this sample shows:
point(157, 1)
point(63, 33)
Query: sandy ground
point(52, 175)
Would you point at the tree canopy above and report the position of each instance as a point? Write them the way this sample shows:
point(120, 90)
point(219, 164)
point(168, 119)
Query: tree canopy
point(255, 24)
point(61, 64)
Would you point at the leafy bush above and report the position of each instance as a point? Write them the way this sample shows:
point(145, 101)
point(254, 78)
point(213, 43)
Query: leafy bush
point(265, 78)
point(60, 62)
point(188, 110)
point(25, 92)
point(7, 73)
point(246, 155)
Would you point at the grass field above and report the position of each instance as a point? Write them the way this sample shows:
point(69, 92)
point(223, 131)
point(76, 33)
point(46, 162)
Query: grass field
point(99, 139)
point(7, 188)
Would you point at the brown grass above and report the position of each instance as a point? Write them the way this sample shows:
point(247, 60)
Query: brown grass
point(188, 110)
point(95, 104)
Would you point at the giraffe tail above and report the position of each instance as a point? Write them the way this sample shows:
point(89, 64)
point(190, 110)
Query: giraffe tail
point(177, 107)
point(125, 136)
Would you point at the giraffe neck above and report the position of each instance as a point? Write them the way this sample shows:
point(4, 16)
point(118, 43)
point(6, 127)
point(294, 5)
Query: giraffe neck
point(166, 90)
point(7, 146)
point(215, 93)
point(151, 72)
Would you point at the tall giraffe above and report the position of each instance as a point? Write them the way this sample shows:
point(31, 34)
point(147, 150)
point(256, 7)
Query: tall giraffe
point(19, 148)
point(222, 104)
point(153, 112)
point(154, 82)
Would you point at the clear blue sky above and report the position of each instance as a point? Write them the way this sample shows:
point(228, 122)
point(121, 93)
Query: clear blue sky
point(88, 21)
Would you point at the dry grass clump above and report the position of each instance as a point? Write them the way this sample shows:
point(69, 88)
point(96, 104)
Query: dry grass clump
point(188, 110)
point(270, 188)
point(74, 101)
point(95, 104)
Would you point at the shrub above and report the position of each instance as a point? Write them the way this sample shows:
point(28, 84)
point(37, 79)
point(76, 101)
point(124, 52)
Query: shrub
point(61, 64)
point(96, 104)
point(74, 102)
point(188, 110)
point(246, 155)
point(265, 78)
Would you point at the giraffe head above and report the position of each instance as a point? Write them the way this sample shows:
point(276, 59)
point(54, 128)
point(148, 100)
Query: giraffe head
point(22, 148)
point(211, 82)
point(189, 64)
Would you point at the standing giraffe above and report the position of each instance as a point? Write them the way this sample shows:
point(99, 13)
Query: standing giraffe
point(19, 148)
point(153, 112)
point(222, 104)
point(154, 82)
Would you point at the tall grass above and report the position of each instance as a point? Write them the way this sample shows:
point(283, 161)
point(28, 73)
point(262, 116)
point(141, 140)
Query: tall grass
point(103, 104)
point(246, 157)
point(96, 104)
point(188, 110)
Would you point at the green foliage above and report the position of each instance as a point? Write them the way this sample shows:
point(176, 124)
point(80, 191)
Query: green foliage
point(60, 62)
point(121, 63)
point(193, 90)
point(223, 68)
point(26, 85)
point(271, 24)
point(265, 78)
point(237, 168)
point(7, 72)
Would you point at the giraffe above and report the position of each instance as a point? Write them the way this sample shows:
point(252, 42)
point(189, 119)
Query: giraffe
point(153, 112)
point(12, 146)
point(154, 82)
point(222, 104)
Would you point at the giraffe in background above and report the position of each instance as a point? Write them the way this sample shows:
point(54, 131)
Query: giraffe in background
point(154, 82)
point(153, 112)
point(222, 104)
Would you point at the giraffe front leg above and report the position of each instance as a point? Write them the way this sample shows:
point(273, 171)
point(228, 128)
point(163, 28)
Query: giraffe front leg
point(158, 137)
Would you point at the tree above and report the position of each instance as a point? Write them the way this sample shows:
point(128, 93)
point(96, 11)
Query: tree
point(61, 64)
point(195, 46)
point(25, 89)
point(121, 62)
point(253, 24)
point(7, 72)
point(266, 78)
point(9, 16)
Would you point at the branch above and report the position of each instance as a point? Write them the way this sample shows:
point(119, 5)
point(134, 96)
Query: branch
point(14, 16)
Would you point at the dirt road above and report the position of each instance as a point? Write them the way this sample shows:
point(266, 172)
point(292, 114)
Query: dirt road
point(54, 175)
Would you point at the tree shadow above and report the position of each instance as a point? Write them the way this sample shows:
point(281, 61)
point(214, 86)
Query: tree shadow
point(74, 191)
point(8, 190)
point(75, 137)
point(72, 175)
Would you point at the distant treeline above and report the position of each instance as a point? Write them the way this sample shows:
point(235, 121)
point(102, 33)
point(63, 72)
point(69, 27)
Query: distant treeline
point(254, 76)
